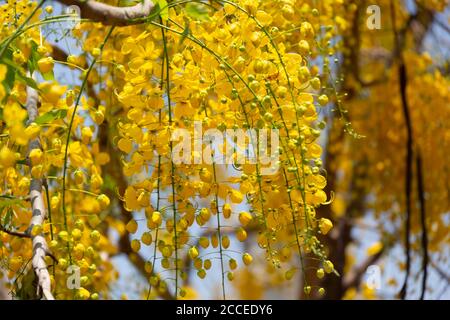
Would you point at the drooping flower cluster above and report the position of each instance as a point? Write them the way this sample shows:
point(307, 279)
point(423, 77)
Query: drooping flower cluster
point(227, 66)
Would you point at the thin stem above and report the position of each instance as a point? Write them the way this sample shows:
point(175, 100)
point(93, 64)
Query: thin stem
point(423, 222)
point(158, 189)
point(83, 85)
point(19, 29)
point(172, 174)
point(402, 82)
point(49, 209)
point(219, 231)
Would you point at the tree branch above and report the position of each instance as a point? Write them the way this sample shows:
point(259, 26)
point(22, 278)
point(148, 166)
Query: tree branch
point(111, 15)
point(424, 239)
point(114, 170)
point(4, 291)
point(40, 248)
point(353, 278)
point(14, 233)
point(399, 40)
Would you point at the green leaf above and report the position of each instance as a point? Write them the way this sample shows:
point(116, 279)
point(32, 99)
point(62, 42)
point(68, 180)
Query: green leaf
point(7, 204)
point(13, 73)
point(34, 57)
point(185, 33)
point(49, 76)
point(8, 216)
point(161, 6)
point(8, 82)
point(22, 161)
point(197, 11)
point(109, 183)
point(7, 196)
point(50, 116)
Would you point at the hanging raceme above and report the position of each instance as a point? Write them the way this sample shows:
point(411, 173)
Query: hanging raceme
point(190, 140)
point(169, 75)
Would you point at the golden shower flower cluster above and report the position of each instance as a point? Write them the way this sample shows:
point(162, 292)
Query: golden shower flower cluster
point(250, 65)
point(246, 65)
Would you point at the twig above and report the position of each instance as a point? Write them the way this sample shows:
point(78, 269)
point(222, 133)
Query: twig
point(424, 241)
point(14, 233)
point(399, 43)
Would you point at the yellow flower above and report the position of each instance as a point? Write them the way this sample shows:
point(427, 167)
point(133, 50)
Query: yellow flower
point(63, 235)
point(145, 55)
point(204, 242)
point(148, 266)
point(226, 210)
point(76, 234)
point(36, 230)
point(15, 263)
point(205, 175)
point(33, 130)
point(146, 238)
point(104, 201)
point(45, 65)
point(264, 18)
point(135, 245)
point(131, 196)
point(323, 100)
point(325, 225)
point(96, 52)
point(132, 226)
point(37, 171)
point(225, 242)
point(375, 248)
point(233, 264)
point(3, 70)
point(79, 177)
point(241, 234)
point(193, 252)
point(320, 273)
point(82, 294)
point(245, 218)
point(125, 145)
point(99, 117)
point(86, 135)
point(36, 157)
point(247, 258)
point(214, 240)
point(78, 251)
point(7, 158)
point(95, 236)
point(304, 47)
point(205, 214)
point(236, 196)
point(307, 30)
point(328, 266)
point(51, 92)
point(201, 273)
point(156, 218)
point(63, 263)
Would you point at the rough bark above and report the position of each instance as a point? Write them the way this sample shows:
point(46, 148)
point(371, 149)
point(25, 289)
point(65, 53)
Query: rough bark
point(39, 212)
point(111, 15)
